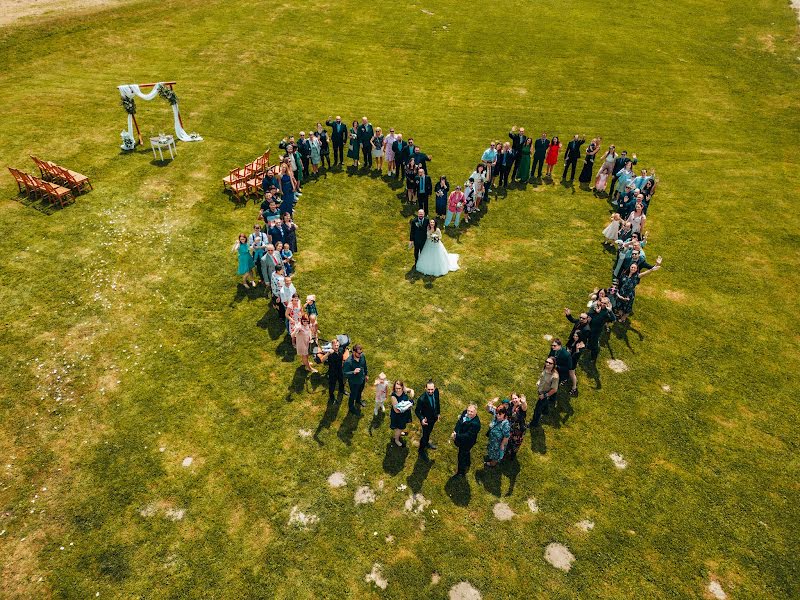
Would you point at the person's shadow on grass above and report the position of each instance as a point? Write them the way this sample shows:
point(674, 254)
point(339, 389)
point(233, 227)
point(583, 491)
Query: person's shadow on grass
point(348, 427)
point(458, 490)
point(510, 468)
point(272, 324)
point(489, 478)
point(331, 412)
point(589, 367)
point(621, 330)
point(420, 473)
point(538, 440)
point(298, 383)
point(394, 460)
point(377, 421)
point(251, 293)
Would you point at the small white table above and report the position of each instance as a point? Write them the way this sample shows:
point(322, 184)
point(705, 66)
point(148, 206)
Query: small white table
point(167, 141)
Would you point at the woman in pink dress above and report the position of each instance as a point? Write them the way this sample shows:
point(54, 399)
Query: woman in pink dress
point(302, 340)
point(387, 150)
point(605, 169)
point(552, 155)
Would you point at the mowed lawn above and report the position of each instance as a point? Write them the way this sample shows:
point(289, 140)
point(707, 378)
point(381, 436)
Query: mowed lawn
point(127, 347)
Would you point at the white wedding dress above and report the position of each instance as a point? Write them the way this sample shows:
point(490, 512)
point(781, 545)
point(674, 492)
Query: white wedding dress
point(434, 259)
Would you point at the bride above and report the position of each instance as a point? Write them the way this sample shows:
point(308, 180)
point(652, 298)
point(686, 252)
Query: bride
point(434, 259)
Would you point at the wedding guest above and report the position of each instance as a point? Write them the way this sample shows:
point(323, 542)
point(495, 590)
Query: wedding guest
point(505, 158)
point(339, 138)
point(314, 153)
point(588, 162)
point(455, 206)
point(518, 141)
point(489, 158)
point(539, 154)
point(388, 151)
point(293, 313)
point(276, 283)
point(287, 257)
point(400, 415)
point(627, 290)
point(572, 154)
point(304, 149)
point(275, 232)
point(355, 369)
point(242, 249)
point(302, 339)
point(428, 410)
point(601, 314)
point(611, 231)
point(310, 307)
point(268, 263)
point(324, 145)
point(258, 242)
point(637, 219)
point(546, 389)
point(270, 180)
point(381, 387)
point(365, 135)
point(517, 412)
point(353, 148)
point(295, 162)
point(423, 189)
point(469, 200)
point(335, 362)
point(288, 187)
point(400, 149)
point(442, 189)
point(421, 158)
point(377, 149)
point(622, 159)
point(563, 359)
point(499, 434)
point(464, 436)
point(478, 179)
point(411, 173)
point(269, 211)
point(313, 324)
point(286, 293)
point(605, 169)
point(524, 170)
point(647, 192)
point(552, 155)
point(289, 231)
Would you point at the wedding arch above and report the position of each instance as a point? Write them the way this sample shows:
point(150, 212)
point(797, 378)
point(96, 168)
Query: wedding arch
point(165, 90)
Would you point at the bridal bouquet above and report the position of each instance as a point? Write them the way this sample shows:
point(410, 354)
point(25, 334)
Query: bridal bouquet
point(436, 238)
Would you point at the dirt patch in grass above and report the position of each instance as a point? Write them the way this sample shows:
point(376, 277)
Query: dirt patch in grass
point(364, 495)
point(559, 556)
point(337, 480)
point(715, 590)
point(464, 590)
point(298, 518)
point(675, 295)
point(533, 506)
point(585, 525)
point(618, 460)
point(503, 512)
point(617, 365)
point(376, 577)
point(416, 503)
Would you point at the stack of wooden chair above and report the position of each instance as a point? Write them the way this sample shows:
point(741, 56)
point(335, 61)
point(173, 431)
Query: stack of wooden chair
point(246, 181)
point(56, 184)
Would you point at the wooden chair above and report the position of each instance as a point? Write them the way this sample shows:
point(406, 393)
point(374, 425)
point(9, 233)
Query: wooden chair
point(45, 168)
point(239, 190)
point(33, 185)
point(18, 177)
point(57, 193)
point(235, 176)
point(73, 180)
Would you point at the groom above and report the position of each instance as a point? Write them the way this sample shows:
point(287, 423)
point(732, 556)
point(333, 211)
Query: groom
point(419, 233)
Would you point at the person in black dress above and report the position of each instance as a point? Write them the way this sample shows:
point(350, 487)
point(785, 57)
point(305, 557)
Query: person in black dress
point(464, 436)
point(339, 139)
point(399, 419)
point(588, 161)
point(442, 191)
point(289, 230)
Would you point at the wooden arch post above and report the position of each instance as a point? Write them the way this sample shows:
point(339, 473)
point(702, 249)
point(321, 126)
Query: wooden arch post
point(169, 84)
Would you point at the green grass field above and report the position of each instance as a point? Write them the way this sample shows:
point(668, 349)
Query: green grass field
point(126, 345)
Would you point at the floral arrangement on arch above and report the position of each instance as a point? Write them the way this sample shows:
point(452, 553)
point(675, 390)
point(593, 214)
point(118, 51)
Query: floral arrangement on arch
point(129, 104)
point(168, 95)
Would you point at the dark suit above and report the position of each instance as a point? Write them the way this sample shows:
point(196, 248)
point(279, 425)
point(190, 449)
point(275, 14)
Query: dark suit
point(304, 148)
point(571, 156)
point(335, 373)
point(399, 147)
point(540, 147)
point(339, 137)
point(466, 436)
point(424, 189)
point(365, 134)
point(504, 162)
point(427, 408)
point(518, 140)
point(418, 235)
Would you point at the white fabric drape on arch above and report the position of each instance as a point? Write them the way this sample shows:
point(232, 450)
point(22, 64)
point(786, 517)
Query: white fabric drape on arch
point(129, 91)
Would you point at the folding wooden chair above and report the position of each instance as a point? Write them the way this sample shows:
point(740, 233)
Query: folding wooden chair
point(18, 177)
point(44, 167)
point(57, 193)
point(73, 180)
point(33, 185)
point(233, 177)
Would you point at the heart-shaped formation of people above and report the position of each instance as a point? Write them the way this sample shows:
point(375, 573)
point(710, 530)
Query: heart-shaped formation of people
point(271, 251)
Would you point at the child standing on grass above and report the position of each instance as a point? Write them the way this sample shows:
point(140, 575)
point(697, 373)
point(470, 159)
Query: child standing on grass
point(288, 261)
point(381, 388)
point(612, 229)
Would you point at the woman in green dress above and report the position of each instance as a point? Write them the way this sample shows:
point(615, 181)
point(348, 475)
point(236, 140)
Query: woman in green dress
point(353, 150)
point(246, 263)
point(499, 434)
point(524, 169)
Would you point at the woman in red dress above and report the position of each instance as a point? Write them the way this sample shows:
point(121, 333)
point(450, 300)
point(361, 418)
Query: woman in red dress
point(552, 155)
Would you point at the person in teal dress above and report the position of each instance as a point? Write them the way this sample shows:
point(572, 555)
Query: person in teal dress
point(499, 434)
point(246, 263)
point(524, 169)
point(354, 149)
